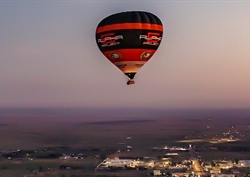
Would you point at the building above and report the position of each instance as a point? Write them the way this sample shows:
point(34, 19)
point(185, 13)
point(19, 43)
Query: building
point(222, 175)
point(180, 174)
point(157, 173)
point(244, 163)
point(118, 162)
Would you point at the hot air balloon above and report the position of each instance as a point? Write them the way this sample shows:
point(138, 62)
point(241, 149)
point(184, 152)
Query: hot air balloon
point(129, 40)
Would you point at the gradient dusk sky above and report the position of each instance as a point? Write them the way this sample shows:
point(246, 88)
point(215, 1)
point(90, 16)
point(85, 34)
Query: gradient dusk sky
point(49, 57)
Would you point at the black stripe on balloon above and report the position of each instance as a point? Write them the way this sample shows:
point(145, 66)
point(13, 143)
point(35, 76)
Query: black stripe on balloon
point(131, 17)
point(124, 39)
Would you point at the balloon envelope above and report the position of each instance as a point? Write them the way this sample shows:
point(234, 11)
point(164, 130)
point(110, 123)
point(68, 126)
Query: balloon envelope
point(129, 39)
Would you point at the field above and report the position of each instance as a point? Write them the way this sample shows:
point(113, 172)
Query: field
point(48, 166)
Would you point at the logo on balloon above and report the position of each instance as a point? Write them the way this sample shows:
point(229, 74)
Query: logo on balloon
point(139, 65)
point(146, 55)
point(115, 55)
point(109, 39)
point(121, 65)
point(151, 39)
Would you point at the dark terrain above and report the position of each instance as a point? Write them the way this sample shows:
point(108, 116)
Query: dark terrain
point(30, 129)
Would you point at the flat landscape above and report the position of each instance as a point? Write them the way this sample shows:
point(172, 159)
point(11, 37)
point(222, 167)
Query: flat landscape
point(225, 132)
point(20, 129)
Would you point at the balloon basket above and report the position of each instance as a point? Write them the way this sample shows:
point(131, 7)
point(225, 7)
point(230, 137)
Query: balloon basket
point(130, 82)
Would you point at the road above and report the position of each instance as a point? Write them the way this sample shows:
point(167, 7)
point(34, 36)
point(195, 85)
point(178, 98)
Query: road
point(197, 168)
point(195, 164)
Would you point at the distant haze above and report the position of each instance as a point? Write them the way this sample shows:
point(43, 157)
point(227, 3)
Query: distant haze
point(36, 128)
point(49, 57)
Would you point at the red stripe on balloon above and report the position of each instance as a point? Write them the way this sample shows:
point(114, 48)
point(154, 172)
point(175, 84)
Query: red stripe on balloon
point(128, 54)
point(123, 26)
